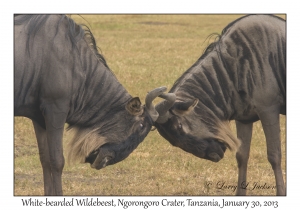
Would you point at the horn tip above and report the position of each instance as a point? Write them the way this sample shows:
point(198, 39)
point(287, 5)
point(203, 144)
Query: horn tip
point(162, 88)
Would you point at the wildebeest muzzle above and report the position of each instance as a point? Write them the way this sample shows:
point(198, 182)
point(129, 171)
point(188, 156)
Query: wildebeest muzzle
point(100, 157)
point(215, 151)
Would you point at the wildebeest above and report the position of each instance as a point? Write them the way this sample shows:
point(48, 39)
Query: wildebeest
point(60, 77)
point(242, 77)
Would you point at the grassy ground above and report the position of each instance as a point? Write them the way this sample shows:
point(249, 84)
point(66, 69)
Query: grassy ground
point(147, 51)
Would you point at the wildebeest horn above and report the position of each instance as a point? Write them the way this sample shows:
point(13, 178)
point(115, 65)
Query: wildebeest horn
point(163, 107)
point(148, 101)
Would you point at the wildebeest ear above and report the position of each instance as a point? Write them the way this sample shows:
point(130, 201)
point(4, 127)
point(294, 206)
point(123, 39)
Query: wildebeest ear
point(183, 107)
point(134, 106)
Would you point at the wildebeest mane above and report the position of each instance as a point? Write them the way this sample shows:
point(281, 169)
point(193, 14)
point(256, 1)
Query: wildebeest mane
point(75, 31)
point(92, 42)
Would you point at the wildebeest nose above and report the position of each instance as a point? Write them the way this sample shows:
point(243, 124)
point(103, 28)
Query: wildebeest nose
point(214, 157)
point(102, 164)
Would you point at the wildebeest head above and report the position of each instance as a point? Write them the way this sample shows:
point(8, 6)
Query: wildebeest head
point(199, 133)
point(114, 139)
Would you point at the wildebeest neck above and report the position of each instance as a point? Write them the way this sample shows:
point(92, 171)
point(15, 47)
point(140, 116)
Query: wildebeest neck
point(236, 71)
point(204, 81)
point(99, 92)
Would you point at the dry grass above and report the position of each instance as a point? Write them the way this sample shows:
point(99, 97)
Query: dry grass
point(147, 51)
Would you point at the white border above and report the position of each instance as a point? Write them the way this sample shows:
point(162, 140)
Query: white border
point(112, 6)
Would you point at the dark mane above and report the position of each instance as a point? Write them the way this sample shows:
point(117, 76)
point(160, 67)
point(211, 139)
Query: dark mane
point(75, 32)
point(89, 36)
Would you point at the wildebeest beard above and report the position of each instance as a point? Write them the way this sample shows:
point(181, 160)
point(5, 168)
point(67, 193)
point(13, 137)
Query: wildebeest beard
point(111, 153)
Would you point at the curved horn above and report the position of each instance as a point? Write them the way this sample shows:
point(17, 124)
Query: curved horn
point(163, 107)
point(148, 101)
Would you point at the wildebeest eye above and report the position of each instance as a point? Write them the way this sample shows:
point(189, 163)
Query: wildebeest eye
point(180, 126)
point(141, 125)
